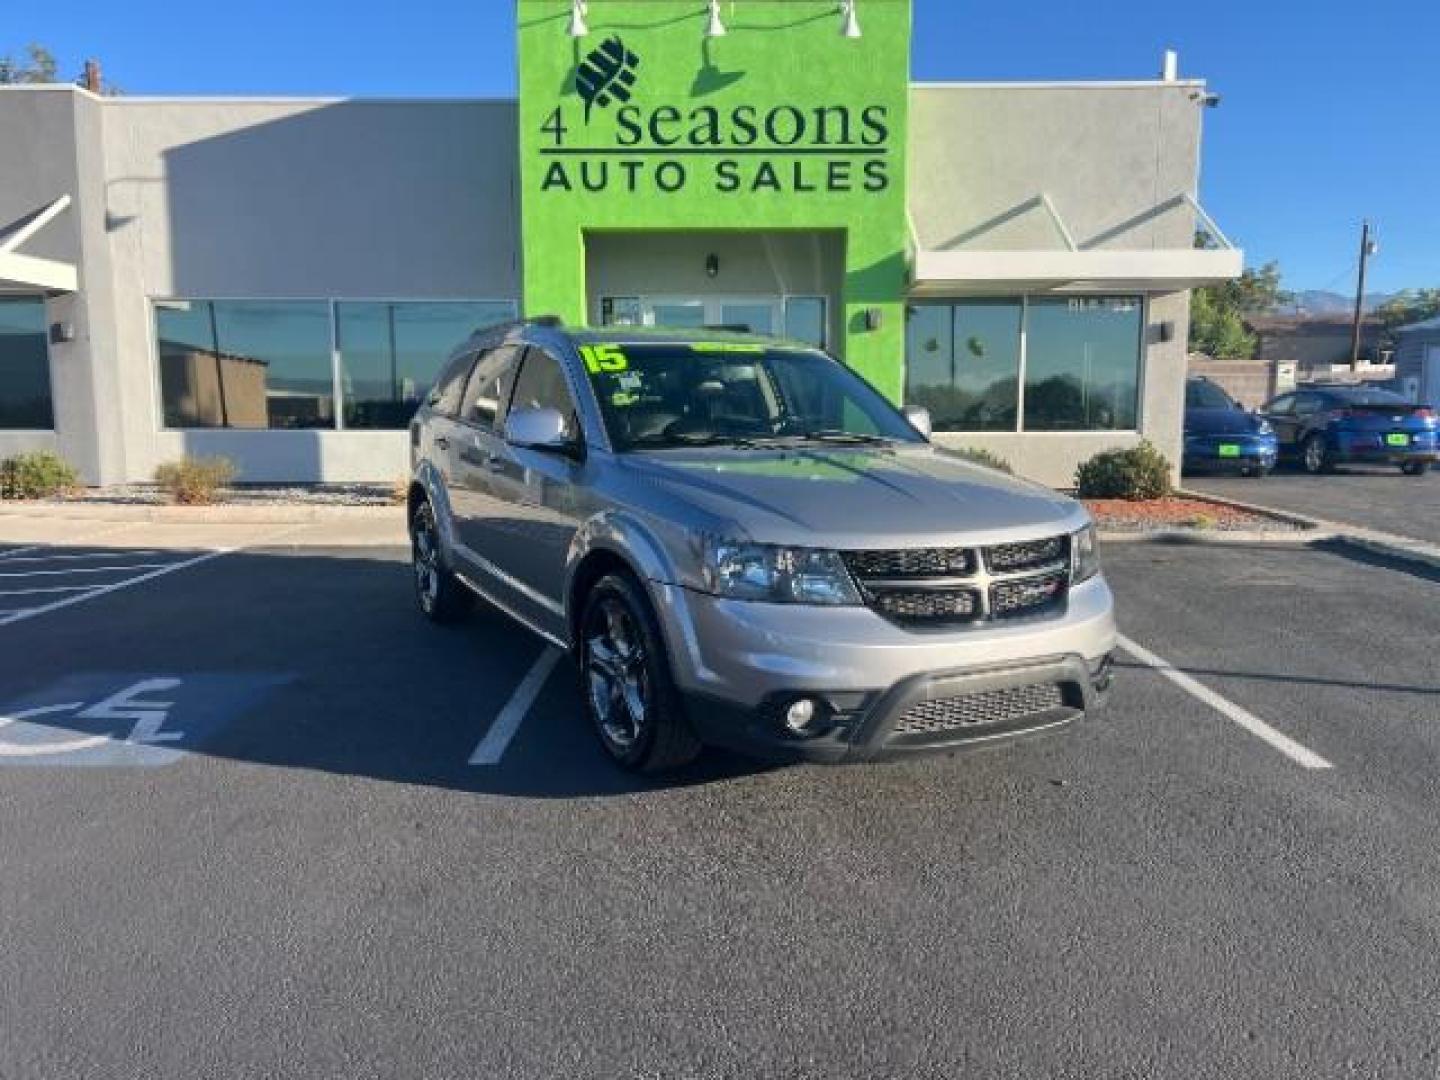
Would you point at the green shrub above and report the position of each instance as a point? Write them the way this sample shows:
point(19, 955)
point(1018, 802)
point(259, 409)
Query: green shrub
point(195, 481)
point(36, 475)
point(1137, 474)
point(980, 456)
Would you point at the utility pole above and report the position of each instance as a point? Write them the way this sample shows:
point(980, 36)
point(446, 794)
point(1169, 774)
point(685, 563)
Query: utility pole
point(1367, 248)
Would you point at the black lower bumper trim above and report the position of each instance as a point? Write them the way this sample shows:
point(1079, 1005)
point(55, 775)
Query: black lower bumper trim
point(868, 734)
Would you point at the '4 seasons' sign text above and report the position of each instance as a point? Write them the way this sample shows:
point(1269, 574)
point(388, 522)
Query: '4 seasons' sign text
point(739, 149)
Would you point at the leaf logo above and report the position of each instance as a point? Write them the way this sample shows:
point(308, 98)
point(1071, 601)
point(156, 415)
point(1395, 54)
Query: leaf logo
point(606, 75)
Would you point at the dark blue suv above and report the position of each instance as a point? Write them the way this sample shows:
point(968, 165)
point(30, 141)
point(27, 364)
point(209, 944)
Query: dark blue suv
point(1324, 426)
point(1220, 436)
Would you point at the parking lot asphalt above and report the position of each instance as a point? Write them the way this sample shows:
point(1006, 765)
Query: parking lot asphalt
point(1368, 496)
point(268, 853)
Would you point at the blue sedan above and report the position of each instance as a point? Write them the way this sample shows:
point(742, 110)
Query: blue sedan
point(1324, 426)
point(1220, 436)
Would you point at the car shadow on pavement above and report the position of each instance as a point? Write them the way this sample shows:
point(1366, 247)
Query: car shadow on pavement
point(361, 684)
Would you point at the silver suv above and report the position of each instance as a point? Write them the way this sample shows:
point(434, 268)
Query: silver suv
point(742, 543)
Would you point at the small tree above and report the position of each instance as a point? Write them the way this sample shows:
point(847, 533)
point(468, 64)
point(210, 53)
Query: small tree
point(1410, 306)
point(39, 66)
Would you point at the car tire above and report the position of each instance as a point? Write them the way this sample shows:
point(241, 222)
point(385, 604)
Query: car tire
point(1316, 456)
point(626, 683)
point(1415, 468)
point(442, 597)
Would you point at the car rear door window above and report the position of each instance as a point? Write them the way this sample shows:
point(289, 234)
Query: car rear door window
point(449, 389)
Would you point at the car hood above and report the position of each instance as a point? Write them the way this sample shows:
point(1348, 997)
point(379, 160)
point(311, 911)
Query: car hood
point(1220, 422)
point(855, 497)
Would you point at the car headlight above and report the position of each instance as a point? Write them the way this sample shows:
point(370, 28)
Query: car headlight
point(782, 575)
point(1084, 555)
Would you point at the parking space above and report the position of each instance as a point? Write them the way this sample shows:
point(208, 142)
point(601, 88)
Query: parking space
point(1367, 496)
point(371, 839)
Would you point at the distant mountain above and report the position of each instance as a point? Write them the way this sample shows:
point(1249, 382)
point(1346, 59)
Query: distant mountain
point(1322, 302)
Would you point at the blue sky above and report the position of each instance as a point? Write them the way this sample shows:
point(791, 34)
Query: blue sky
point(1327, 115)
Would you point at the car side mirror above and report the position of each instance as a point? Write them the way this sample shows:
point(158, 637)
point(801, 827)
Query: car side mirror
point(920, 421)
point(541, 428)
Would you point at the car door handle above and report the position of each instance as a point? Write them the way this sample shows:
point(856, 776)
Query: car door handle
point(442, 443)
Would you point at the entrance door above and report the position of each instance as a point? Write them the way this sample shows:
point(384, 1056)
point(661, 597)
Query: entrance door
point(757, 314)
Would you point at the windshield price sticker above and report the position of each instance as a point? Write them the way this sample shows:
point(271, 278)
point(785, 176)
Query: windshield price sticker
point(604, 359)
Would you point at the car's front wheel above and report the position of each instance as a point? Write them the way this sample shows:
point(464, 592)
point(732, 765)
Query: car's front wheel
point(1415, 468)
point(1316, 455)
point(442, 597)
point(625, 681)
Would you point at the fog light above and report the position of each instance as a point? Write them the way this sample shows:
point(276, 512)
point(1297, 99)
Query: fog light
point(800, 715)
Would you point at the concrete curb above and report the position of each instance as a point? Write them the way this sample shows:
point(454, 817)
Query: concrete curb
point(1318, 530)
point(204, 515)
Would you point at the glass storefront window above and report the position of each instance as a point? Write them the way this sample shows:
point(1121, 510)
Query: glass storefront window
point(1079, 359)
point(245, 364)
point(805, 320)
point(390, 353)
point(272, 364)
point(1082, 364)
point(964, 363)
point(25, 402)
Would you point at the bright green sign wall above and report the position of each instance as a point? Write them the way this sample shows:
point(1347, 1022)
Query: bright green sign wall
point(783, 123)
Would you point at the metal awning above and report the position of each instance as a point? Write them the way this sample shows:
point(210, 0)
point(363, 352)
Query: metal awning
point(29, 273)
point(1073, 268)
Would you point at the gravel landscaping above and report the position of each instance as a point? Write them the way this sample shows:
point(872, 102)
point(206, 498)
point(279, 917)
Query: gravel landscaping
point(255, 495)
point(1120, 515)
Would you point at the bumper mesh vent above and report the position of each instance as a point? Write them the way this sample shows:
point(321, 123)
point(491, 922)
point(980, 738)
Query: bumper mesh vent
point(980, 710)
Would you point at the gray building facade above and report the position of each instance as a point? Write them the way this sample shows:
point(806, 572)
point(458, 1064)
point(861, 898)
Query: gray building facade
point(277, 280)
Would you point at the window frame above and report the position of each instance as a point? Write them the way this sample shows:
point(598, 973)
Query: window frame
point(44, 302)
point(336, 371)
point(1023, 368)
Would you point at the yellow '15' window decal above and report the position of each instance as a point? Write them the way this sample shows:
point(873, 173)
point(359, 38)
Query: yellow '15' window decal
point(600, 359)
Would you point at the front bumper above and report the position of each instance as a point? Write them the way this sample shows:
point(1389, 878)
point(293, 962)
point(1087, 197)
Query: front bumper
point(870, 726)
point(737, 661)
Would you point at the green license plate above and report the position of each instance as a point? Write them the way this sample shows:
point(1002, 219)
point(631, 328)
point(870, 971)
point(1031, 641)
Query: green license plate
point(1398, 439)
point(1229, 449)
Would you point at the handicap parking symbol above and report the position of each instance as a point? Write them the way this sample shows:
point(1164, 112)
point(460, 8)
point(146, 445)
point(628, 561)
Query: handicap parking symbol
point(125, 719)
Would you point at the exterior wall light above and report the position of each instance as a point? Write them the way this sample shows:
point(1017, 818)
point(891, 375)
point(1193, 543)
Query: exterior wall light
point(850, 28)
point(578, 10)
point(712, 266)
point(715, 28)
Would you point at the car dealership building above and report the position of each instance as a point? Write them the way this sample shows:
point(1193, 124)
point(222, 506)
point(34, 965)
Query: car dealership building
point(278, 280)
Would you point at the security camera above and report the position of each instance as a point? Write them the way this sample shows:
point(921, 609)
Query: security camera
point(1210, 101)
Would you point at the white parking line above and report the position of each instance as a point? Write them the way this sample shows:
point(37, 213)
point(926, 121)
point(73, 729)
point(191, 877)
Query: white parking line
point(78, 541)
point(124, 553)
point(493, 746)
point(1301, 755)
point(94, 592)
point(84, 570)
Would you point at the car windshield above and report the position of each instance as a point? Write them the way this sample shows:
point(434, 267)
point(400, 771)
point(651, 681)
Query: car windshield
point(656, 395)
point(1206, 395)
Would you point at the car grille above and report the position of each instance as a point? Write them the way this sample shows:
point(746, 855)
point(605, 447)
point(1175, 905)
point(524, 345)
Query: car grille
point(956, 586)
point(984, 709)
point(912, 562)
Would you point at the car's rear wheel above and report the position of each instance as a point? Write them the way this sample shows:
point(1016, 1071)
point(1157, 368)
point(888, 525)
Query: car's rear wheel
point(626, 684)
point(1415, 468)
point(440, 594)
point(1316, 455)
